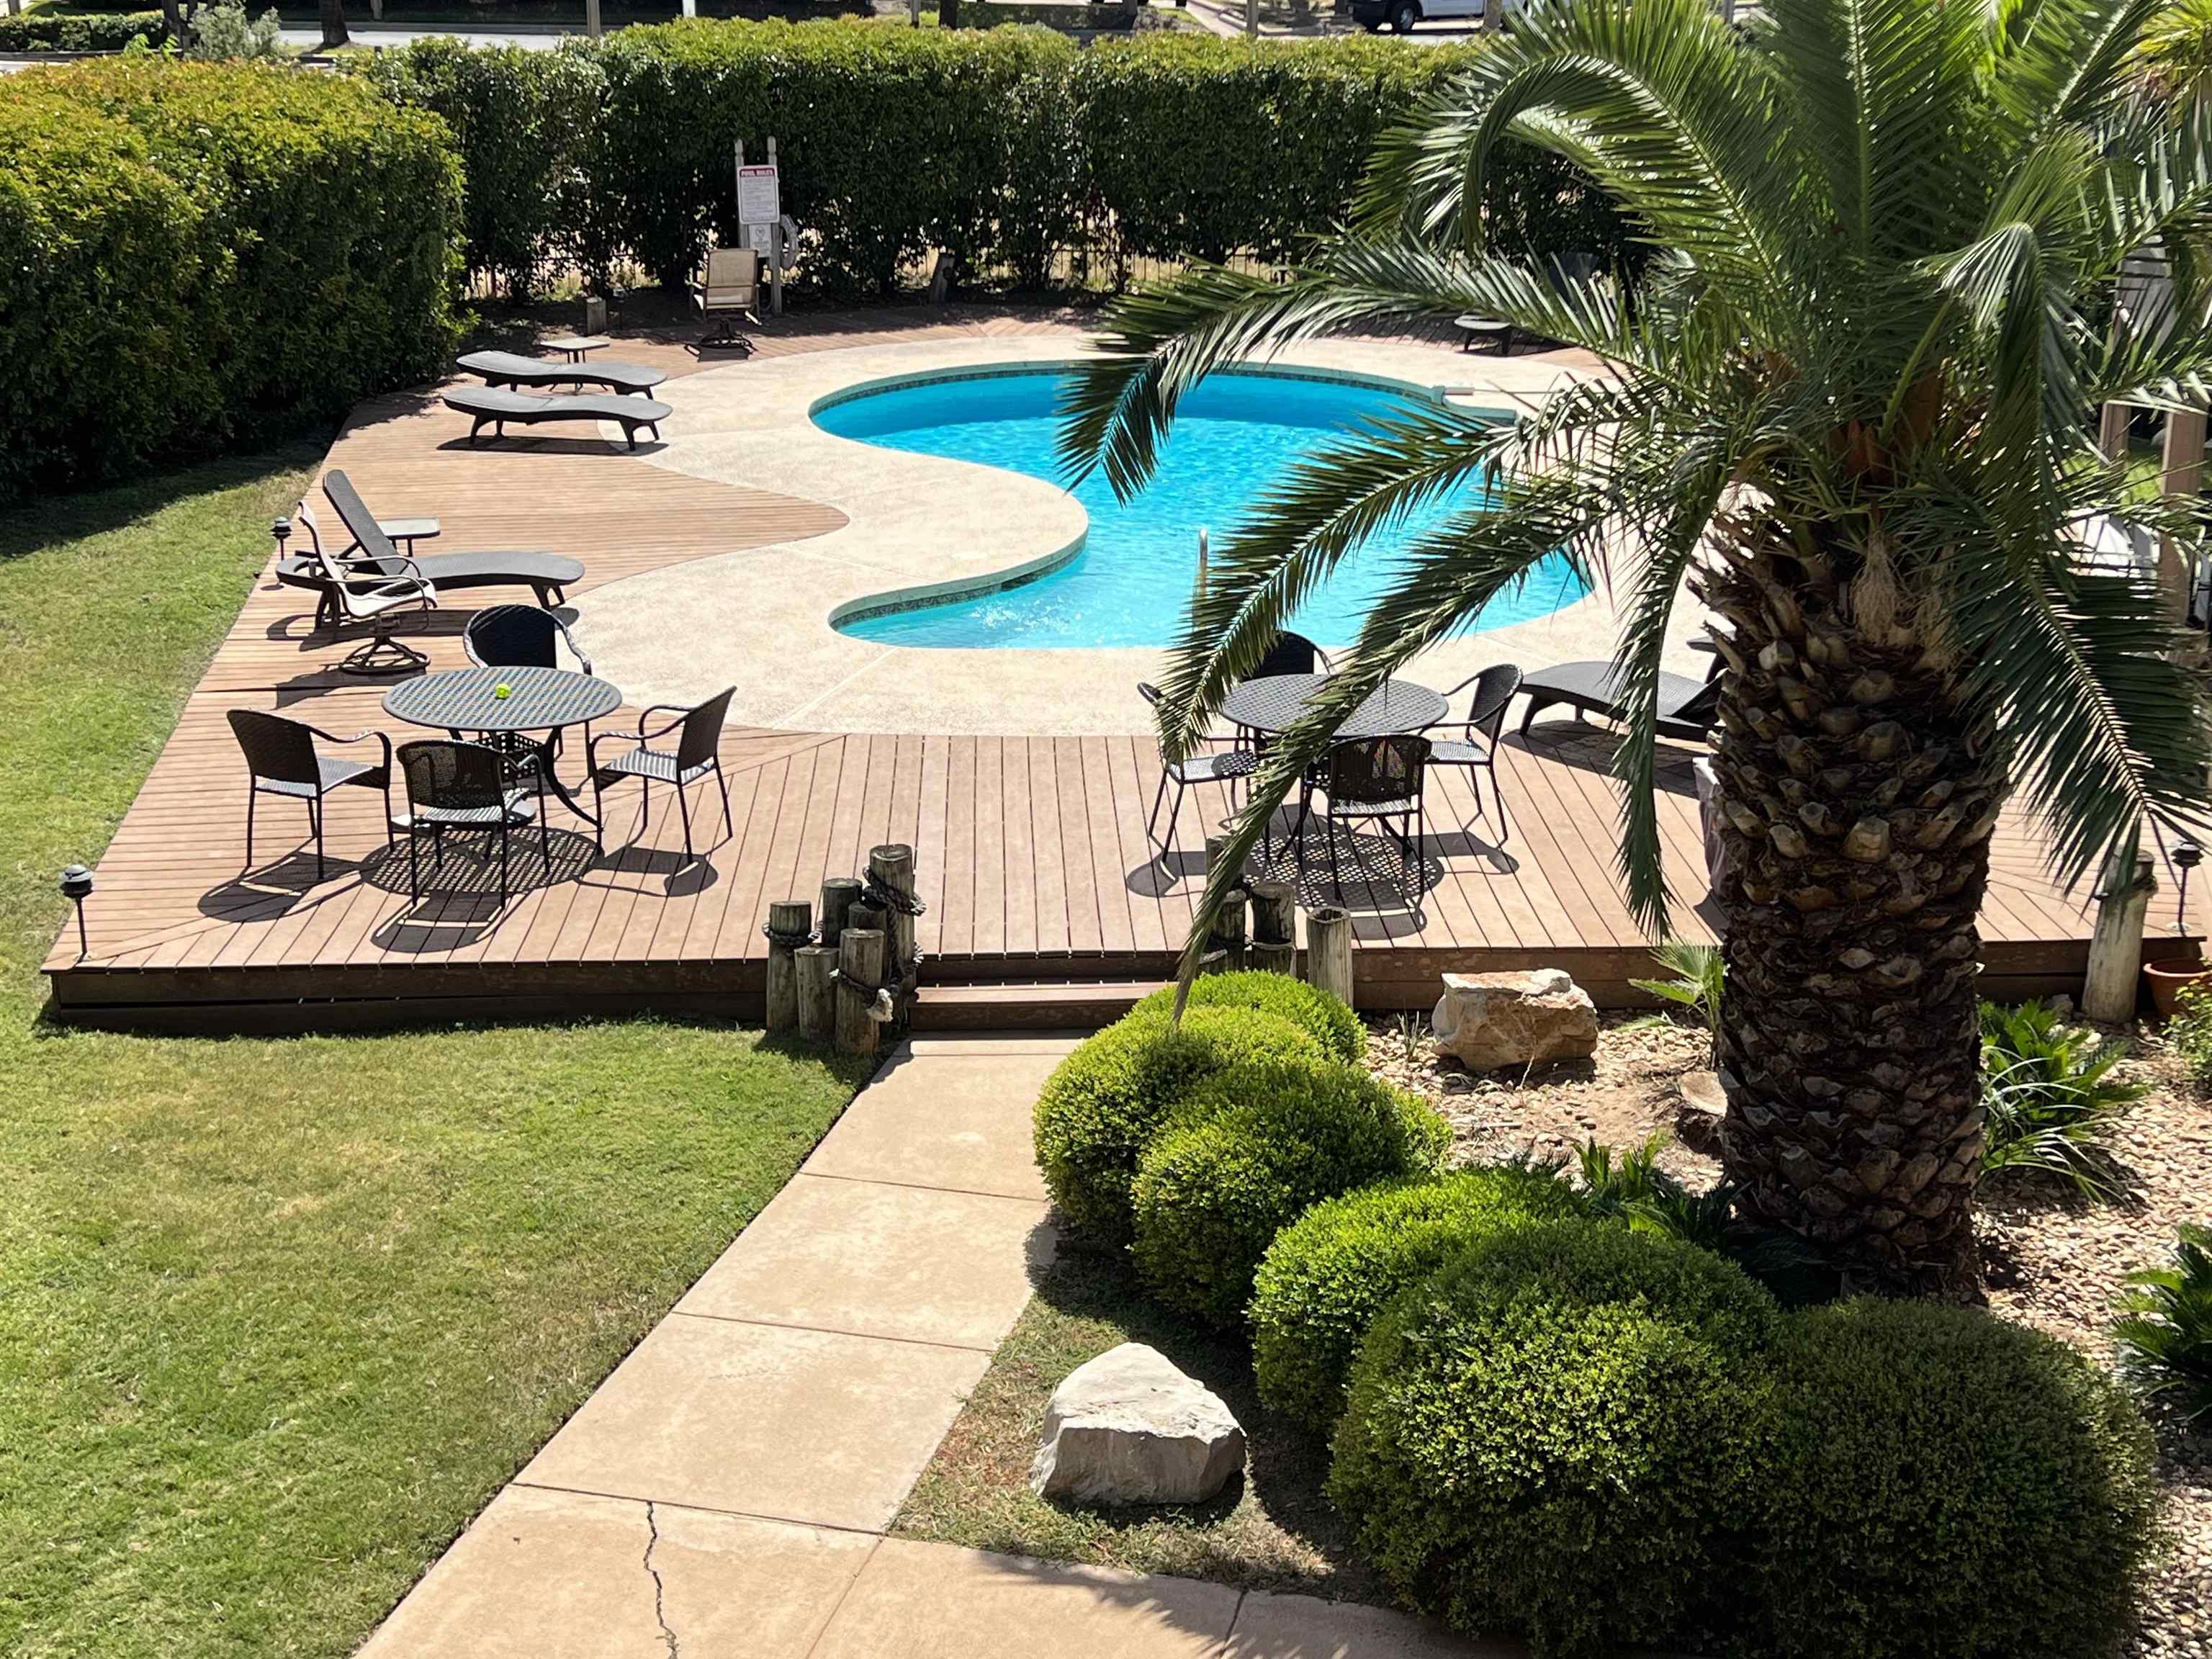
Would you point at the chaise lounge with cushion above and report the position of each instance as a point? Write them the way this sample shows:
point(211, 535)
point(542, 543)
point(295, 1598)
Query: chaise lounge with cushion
point(1688, 707)
point(506, 369)
point(493, 407)
point(371, 557)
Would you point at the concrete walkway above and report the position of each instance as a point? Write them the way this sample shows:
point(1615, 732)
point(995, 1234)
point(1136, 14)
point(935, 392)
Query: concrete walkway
point(726, 1491)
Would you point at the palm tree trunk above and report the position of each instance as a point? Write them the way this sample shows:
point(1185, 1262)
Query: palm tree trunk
point(1856, 815)
point(332, 14)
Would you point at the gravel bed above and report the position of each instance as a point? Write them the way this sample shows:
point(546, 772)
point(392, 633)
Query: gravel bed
point(2053, 1262)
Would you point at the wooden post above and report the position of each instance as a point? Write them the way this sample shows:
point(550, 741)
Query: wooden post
point(1228, 932)
point(859, 973)
point(1214, 962)
point(817, 992)
point(1329, 951)
point(893, 866)
point(2112, 431)
point(839, 895)
point(790, 924)
point(1275, 912)
point(1213, 846)
point(2108, 994)
point(2182, 474)
point(866, 916)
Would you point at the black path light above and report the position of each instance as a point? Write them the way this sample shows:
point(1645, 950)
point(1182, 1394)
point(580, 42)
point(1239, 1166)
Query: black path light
point(76, 887)
point(2185, 856)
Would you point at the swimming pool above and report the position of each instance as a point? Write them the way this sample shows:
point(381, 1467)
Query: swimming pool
point(1130, 583)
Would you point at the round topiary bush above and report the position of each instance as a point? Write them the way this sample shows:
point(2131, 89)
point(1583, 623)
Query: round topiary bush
point(1247, 1152)
point(1946, 1483)
point(1556, 1434)
point(1102, 1106)
point(1331, 1272)
point(1319, 1015)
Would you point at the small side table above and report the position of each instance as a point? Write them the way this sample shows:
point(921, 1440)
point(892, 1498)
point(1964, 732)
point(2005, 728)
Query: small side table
point(1492, 331)
point(577, 347)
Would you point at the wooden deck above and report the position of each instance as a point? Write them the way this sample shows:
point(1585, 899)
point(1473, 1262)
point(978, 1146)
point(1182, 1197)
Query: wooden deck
point(1032, 853)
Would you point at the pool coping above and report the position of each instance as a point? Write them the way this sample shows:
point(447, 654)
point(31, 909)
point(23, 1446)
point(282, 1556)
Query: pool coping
point(758, 621)
point(895, 601)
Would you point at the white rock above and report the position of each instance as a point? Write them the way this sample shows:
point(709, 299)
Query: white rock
point(1128, 1427)
point(1700, 1111)
point(1488, 1021)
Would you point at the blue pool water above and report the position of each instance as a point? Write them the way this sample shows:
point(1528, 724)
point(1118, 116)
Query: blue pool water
point(1130, 584)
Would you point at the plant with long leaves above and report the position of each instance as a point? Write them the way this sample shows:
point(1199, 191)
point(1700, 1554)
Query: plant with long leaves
point(1849, 409)
point(2166, 1332)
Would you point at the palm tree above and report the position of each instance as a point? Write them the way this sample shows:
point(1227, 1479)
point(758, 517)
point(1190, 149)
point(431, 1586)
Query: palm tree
point(1851, 408)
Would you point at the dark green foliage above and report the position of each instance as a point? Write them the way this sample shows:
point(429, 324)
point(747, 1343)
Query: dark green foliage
point(1315, 1012)
point(1248, 1152)
point(1333, 1270)
point(2047, 1098)
point(45, 31)
point(2190, 1032)
point(527, 126)
point(1631, 1186)
point(1947, 1485)
point(892, 140)
point(1555, 1435)
point(205, 255)
point(1008, 146)
point(2166, 1335)
point(1101, 1108)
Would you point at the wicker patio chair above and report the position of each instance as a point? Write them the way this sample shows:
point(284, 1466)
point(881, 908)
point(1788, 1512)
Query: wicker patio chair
point(462, 786)
point(281, 759)
point(1379, 780)
point(1293, 653)
point(1227, 768)
point(1476, 747)
point(697, 754)
point(523, 637)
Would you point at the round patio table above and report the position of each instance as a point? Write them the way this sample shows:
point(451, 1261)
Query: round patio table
point(537, 700)
point(1279, 701)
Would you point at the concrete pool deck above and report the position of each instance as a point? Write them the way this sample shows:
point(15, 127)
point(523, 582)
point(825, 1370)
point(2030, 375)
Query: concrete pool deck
point(760, 618)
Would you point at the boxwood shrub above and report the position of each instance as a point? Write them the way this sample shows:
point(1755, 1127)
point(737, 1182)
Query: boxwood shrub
point(1558, 1434)
point(45, 31)
point(1249, 1149)
point(1102, 1106)
point(1319, 1015)
point(1947, 1485)
point(1330, 1272)
point(200, 255)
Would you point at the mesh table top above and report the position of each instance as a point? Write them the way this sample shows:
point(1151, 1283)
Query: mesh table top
point(1272, 703)
point(468, 699)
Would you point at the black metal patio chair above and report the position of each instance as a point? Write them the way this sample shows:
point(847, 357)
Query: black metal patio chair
point(1372, 779)
point(464, 787)
point(1476, 747)
point(523, 637)
point(1293, 653)
point(697, 753)
point(1227, 768)
point(281, 759)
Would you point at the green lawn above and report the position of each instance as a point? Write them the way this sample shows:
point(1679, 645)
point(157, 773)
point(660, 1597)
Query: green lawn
point(276, 1317)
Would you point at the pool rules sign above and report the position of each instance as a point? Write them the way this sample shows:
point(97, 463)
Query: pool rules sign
point(761, 224)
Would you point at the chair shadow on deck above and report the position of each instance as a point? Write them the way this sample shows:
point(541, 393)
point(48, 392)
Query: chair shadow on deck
point(459, 903)
point(516, 443)
point(275, 887)
point(1589, 746)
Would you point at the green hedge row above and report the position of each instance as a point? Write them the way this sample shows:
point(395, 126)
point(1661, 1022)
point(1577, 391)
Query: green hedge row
point(194, 256)
point(1009, 147)
point(40, 31)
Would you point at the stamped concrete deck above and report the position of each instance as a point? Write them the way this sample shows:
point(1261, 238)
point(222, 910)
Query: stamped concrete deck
point(727, 1491)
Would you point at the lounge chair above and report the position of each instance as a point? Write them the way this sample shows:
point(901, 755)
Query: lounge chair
point(372, 554)
point(1688, 707)
point(499, 368)
point(489, 406)
point(729, 286)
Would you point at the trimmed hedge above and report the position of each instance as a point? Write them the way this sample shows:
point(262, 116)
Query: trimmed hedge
point(1319, 1015)
point(205, 255)
point(1005, 146)
point(1102, 1106)
point(43, 31)
point(1946, 1484)
point(1332, 1271)
point(1247, 1152)
point(1557, 1434)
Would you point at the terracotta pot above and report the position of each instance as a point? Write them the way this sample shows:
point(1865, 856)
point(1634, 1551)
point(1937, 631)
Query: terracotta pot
point(2169, 978)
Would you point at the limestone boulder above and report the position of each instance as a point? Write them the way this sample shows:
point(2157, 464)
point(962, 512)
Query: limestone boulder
point(1491, 1021)
point(1128, 1427)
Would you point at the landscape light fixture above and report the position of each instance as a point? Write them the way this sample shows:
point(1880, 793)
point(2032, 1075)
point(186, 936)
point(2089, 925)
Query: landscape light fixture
point(76, 887)
point(2186, 856)
point(282, 530)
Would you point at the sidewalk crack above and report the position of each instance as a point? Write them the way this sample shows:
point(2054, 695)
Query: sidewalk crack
point(660, 1590)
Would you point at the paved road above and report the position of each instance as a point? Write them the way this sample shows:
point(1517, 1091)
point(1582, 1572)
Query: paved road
point(399, 34)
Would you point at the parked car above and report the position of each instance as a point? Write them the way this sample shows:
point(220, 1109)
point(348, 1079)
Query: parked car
point(1402, 15)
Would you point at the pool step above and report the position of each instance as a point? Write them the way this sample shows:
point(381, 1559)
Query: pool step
point(1018, 1006)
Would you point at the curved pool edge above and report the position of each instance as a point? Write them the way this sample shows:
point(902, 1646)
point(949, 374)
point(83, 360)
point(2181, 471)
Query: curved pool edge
point(954, 590)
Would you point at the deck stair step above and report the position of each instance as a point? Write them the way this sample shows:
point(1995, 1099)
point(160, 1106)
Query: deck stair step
point(1015, 1006)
